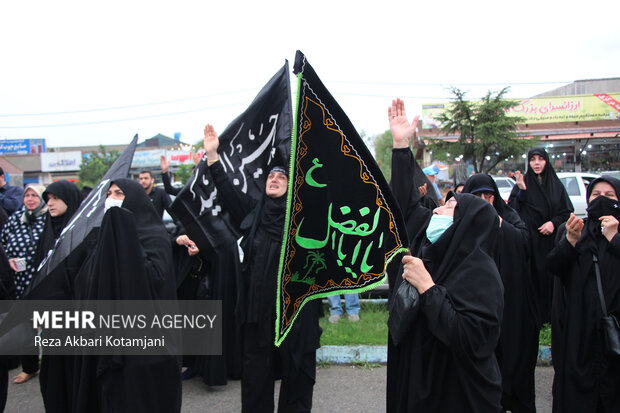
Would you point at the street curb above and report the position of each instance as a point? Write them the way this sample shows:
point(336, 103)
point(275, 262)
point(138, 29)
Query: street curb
point(352, 354)
point(378, 354)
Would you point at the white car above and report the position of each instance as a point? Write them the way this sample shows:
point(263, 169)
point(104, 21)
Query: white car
point(613, 174)
point(576, 184)
point(167, 219)
point(504, 184)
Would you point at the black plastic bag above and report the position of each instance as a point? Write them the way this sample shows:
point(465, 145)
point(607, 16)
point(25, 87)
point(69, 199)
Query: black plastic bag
point(404, 308)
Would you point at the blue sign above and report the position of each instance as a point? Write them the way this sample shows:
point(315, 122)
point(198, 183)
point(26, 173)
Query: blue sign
point(22, 146)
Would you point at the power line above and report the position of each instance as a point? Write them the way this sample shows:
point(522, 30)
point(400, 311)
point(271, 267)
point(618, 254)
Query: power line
point(250, 89)
point(449, 83)
point(121, 120)
point(430, 98)
point(139, 105)
point(392, 96)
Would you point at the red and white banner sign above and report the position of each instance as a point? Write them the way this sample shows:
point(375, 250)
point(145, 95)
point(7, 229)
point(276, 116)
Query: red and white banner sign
point(609, 100)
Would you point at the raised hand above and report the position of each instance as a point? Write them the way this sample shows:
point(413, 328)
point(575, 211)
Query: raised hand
point(164, 164)
point(423, 191)
point(211, 143)
point(402, 130)
point(520, 180)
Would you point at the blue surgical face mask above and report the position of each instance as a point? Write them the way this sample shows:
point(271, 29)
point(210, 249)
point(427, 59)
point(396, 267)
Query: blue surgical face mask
point(437, 226)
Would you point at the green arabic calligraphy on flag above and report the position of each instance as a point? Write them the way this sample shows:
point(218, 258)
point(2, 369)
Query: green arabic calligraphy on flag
point(343, 225)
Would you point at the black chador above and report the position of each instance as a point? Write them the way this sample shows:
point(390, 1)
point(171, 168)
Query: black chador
point(128, 259)
point(447, 361)
point(6, 293)
point(517, 349)
point(212, 275)
point(56, 377)
point(586, 379)
point(294, 361)
point(544, 199)
point(71, 196)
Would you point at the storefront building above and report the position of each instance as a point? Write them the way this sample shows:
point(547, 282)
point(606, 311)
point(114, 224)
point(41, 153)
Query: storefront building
point(578, 124)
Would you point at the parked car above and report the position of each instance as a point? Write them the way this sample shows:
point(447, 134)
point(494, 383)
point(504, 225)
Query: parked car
point(576, 184)
point(504, 184)
point(167, 219)
point(613, 174)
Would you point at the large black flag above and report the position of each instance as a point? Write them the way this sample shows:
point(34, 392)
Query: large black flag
point(255, 141)
point(343, 224)
point(87, 217)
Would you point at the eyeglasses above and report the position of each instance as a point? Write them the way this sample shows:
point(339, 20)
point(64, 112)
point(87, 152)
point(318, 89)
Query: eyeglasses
point(485, 195)
point(451, 203)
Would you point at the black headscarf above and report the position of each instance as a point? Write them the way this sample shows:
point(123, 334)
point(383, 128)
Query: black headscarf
point(544, 200)
point(136, 200)
point(272, 217)
point(447, 363)
point(7, 286)
point(485, 183)
point(546, 196)
point(132, 243)
point(518, 344)
point(585, 378)
point(154, 242)
point(131, 259)
point(273, 210)
point(3, 217)
point(592, 240)
point(600, 206)
point(70, 194)
point(474, 231)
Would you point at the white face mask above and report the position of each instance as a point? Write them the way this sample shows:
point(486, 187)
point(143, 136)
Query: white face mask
point(110, 202)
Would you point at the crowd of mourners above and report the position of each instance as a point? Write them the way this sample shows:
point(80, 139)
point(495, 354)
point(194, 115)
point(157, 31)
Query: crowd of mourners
point(489, 274)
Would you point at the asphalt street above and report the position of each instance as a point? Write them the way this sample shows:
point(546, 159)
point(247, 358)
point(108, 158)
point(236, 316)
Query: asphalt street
point(339, 389)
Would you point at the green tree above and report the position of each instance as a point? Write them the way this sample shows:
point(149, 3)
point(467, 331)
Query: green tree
point(383, 153)
point(486, 134)
point(183, 173)
point(95, 166)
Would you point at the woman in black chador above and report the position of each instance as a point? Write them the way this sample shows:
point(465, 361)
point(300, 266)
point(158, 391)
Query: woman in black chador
point(262, 224)
point(207, 274)
point(56, 379)
point(587, 379)
point(446, 362)
point(517, 349)
point(542, 202)
point(129, 258)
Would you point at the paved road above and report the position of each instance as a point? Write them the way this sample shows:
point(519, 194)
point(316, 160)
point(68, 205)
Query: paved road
point(339, 389)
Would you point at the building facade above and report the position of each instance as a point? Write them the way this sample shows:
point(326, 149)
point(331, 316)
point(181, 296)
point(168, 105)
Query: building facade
point(578, 124)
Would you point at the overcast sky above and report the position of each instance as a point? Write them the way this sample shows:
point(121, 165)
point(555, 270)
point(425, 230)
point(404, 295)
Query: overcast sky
point(172, 66)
